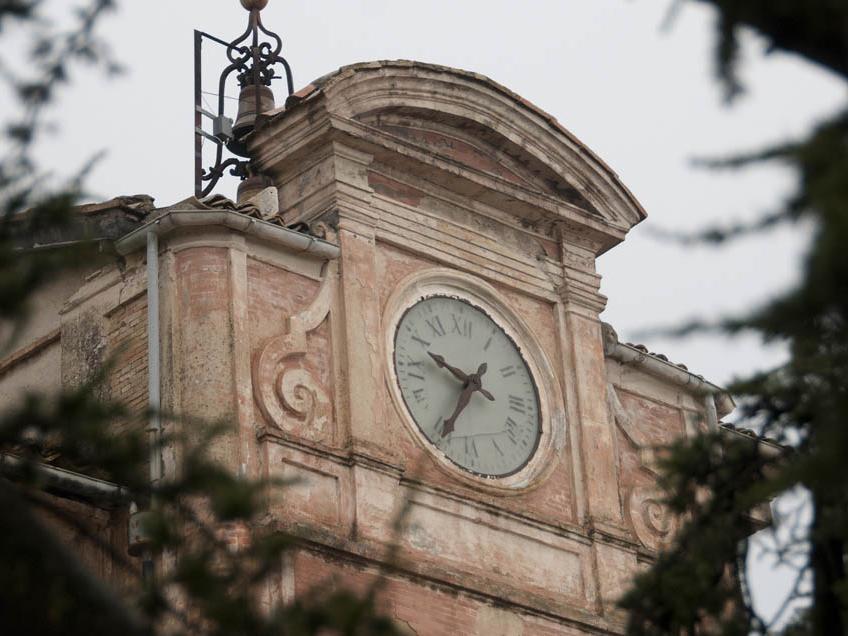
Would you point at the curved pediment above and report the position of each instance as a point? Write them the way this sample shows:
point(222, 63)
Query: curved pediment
point(467, 120)
point(471, 144)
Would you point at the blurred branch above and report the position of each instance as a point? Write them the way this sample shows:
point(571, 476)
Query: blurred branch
point(813, 29)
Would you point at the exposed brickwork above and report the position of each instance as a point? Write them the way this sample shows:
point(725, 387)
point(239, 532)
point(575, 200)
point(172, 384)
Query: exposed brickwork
point(127, 346)
point(273, 295)
point(661, 423)
point(420, 608)
point(258, 334)
point(458, 150)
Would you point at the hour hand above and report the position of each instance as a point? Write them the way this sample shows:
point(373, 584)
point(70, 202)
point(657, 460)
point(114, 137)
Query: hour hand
point(440, 362)
point(464, 399)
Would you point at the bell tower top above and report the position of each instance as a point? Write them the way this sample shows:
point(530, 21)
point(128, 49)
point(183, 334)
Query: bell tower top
point(462, 130)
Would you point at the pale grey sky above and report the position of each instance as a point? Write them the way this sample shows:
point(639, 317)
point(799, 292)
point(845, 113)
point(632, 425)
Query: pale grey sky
point(644, 100)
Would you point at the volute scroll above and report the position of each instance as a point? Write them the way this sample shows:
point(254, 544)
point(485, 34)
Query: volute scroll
point(652, 522)
point(289, 395)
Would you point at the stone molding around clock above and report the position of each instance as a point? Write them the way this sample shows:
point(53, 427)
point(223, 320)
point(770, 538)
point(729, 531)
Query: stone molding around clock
point(441, 281)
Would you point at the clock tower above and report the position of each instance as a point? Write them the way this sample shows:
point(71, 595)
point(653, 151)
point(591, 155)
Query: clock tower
point(400, 318)
point(429, 368)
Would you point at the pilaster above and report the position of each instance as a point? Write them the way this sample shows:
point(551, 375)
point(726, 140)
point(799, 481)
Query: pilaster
point(368, 430)
point(593, 434)
point(249, 458)
point(582, 303)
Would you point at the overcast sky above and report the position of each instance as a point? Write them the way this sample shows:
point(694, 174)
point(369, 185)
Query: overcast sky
point(642, 98)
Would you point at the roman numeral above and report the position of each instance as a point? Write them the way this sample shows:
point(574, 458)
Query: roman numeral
point(463, 329)
point(421, 341)
point(415, 375)
point(508, 371)
point(410, 362)
point(418, 394)
point(497, 448)
point(437, 326)
point(517, 404)
point(437, 428)
point(511, 422)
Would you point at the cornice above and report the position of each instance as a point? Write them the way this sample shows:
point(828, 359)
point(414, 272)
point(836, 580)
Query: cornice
point(175, 219)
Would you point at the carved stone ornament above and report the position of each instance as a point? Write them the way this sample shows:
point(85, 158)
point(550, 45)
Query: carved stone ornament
point(652, 522)
point(288, 394)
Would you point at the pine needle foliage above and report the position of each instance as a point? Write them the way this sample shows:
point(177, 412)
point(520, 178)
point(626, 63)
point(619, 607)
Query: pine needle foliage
point(700, 584)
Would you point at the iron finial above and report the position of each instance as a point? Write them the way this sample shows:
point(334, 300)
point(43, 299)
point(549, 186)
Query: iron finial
point(255, 58)
point(254, 5)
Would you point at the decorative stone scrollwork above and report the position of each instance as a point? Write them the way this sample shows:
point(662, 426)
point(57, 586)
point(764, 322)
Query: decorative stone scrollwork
point(298, 394)
point(286, 391)
point(652, 522)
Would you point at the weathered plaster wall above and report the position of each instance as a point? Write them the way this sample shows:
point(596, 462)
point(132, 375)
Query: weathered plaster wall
point(275, 294)
point(46, 305)
point(31, 372)
point(31, 358)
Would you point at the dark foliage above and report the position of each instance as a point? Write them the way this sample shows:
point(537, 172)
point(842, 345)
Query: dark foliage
point(803, 404)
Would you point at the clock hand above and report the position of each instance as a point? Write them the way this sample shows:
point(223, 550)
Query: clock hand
point(440, 362)
point(464, 399)
point(481, 370)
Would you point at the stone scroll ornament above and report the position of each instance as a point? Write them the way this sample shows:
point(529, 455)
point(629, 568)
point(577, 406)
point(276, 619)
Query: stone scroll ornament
point(290, 397)
point(652, 522)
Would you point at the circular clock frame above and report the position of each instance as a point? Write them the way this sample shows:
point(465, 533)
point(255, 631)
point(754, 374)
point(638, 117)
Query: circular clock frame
point(450, 283)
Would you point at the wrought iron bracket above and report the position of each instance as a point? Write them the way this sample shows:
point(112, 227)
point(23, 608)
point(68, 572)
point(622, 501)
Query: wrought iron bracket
point(254, 62)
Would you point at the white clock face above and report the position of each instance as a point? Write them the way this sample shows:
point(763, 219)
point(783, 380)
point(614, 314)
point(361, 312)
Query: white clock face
point(466, 385)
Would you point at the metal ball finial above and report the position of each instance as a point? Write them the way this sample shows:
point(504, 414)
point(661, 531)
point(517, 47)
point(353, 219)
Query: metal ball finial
point(258, 5)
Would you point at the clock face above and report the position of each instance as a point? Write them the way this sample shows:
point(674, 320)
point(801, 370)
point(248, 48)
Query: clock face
point(466, 385)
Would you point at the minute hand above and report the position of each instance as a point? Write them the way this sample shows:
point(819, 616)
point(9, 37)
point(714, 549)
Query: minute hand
point(464, 399)
point(440, 362)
